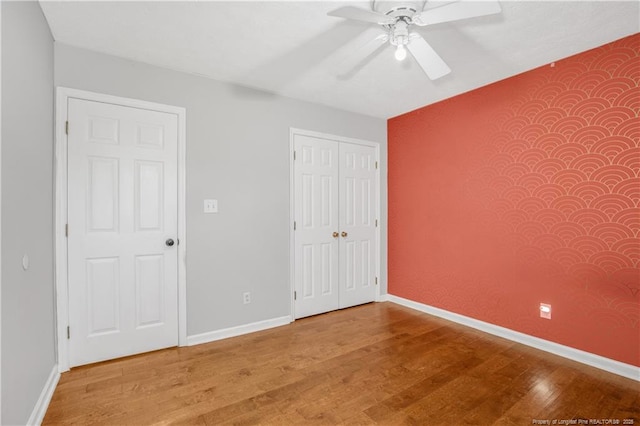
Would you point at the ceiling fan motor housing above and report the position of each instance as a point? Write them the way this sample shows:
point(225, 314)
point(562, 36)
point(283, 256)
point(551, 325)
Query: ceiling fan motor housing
point(403, 13)
point(399, 33)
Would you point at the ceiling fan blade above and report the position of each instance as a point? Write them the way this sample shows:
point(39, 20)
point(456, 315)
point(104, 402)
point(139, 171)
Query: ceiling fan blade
point(456, 11)
point(431, 63)
point(358, 14)
point(362, 52)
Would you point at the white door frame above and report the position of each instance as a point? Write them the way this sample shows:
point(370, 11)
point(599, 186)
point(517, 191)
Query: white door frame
point(292, 211)
point(63, 94)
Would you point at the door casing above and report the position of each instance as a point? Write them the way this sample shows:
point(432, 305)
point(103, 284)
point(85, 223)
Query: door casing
point(63, 94)
point(292, 133)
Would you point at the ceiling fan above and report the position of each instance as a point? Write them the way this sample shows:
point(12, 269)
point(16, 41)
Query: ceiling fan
point(396, 23)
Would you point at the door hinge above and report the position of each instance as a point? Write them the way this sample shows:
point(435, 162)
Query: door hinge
point(68, 332)
point(376, 280)
point(295, 295)
point(66, 230)
point(376, 164)
point(294, 156)
point(294, 225)
point(66, 127)
point(376, 223)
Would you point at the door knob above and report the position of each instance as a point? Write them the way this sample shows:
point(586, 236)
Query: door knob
point(335, 235)
point(344, 234)
point(169, 242)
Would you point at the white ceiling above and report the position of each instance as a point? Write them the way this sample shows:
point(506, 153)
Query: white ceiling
point(293, 48)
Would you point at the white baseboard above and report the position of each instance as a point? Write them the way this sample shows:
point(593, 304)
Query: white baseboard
point(610, 365)
point(40, 409)
point(225, 333)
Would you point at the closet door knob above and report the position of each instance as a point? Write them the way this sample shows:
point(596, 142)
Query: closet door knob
point(336, 235)
point(169, 242)
point(344, 234)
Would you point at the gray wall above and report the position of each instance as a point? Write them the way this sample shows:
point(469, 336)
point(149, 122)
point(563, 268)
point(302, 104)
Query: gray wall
point(28, 343)
point(238, 153)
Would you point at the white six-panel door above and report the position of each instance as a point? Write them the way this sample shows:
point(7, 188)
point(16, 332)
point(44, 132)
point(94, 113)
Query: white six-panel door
point(357, 224)
point(316, 175)
point(122, 210)
point(335, 247)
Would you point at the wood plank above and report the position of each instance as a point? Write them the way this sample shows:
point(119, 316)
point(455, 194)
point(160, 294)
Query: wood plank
point(374, 364)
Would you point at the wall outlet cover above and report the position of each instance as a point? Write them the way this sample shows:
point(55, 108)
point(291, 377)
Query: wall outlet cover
point(210, 206)
point(545, 311)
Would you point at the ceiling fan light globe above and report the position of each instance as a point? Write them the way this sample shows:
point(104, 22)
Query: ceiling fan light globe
point(401, 53)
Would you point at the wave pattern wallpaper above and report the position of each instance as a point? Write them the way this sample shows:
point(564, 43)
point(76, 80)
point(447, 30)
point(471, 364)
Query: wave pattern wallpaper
point(523, 192)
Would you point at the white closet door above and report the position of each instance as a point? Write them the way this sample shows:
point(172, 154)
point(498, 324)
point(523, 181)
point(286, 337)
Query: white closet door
point(316, 206)
point(122, 210)
point(358, 249)
point(335, 244)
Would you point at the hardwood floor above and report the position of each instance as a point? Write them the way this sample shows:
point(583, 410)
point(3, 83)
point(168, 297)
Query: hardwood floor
point(374, 364)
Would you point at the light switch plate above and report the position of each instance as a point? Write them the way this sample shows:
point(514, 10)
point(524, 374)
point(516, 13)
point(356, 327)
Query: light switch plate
point(211, 206)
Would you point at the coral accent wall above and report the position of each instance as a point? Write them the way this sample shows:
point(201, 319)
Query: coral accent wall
point(527, 191)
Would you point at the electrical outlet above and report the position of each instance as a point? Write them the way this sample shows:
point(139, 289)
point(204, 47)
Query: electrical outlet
point(545, 311)
point(246, 297)
point(211, 206)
